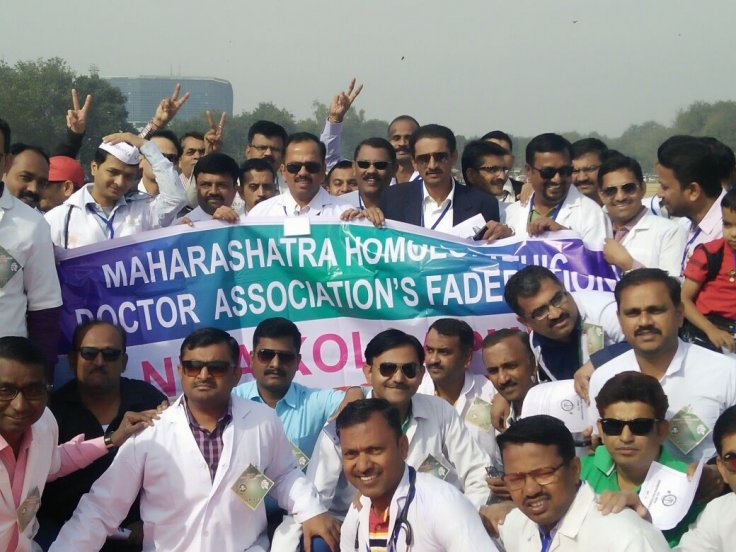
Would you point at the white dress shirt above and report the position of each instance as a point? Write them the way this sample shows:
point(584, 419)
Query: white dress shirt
point(715, 528)
point(27, 264)
point(700, 380)
point(475, 386)
point(708, 230)
point(440, 517)
point(578, 213)
point(438, 216)
point(182, 508)
point(322, 204)
point(584, 529)
point(195, 215)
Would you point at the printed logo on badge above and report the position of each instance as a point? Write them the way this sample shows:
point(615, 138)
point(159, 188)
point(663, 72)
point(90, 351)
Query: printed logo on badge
point(593, 337)
point(301, 459)
point(9, 267)
point(252, 486)
point(435, 467)
point(26, 512)
point(479, 414)
point(687, 430)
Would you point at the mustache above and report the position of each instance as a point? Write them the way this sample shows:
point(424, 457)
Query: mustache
point(536, 497)
point(647, 329)
point(28, 194)
point(564, 316)
point(215, 196)
point(506, 385)
point(275, 372)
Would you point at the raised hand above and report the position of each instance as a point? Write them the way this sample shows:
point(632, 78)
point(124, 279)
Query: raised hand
point(168, 107)
point(342, 102)
point(213, 137)
point(76, 117)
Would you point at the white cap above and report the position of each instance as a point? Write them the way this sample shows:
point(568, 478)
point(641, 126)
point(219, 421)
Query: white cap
point(123, 151)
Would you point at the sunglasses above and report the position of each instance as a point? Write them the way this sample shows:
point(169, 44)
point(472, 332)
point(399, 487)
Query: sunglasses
point(312, 167)
point(439, 157)
point(108, 354)
point(267, 355)
point(380, 165)
point(637, 426)
point(629, 188)
point(548, 173)
point(388, 369)
point(729, 460)
point(215, 368)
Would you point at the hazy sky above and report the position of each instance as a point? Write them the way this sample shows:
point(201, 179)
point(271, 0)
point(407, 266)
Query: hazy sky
point(524, 66)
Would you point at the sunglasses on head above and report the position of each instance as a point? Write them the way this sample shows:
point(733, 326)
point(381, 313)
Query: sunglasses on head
point(388, 369)
point(215, 368)
point(548, 173)
point(380, 165)
point(637, 426)
point(267, 355)
point(312, 167)
point(729, 460)
point(108, 354)
point(629, 188)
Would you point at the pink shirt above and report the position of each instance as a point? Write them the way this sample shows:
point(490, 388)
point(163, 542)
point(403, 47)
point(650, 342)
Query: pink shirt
point(74, 454)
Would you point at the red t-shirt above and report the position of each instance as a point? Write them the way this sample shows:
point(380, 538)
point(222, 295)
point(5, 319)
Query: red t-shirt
point(718, 296)
point(378, 531)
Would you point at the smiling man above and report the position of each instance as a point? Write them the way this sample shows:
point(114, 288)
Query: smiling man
point(587, 157)
point(555, 510)
point(640, 239)
point(375, 165)
point(398, 505)
point(27, 176)
point(216, 176)
point(555, 204)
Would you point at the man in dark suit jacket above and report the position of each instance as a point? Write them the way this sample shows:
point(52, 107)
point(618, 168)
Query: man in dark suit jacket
point(427, 202)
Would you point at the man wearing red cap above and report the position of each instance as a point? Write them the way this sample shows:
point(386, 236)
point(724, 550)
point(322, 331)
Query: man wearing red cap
point(65, 177)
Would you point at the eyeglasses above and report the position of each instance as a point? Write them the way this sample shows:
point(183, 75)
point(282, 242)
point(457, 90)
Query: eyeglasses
point(108, 353)
point(495, 169)
point(380, 165)
point(587, 170)
point(171, 157)
point(637, 426)
point(439, 157)
point(264, 149)
point(629, 188)
point(729, 460)
point(215, 368)
point(267, 355)
point(388, 369)
point(540, 313)
point(311, 166)
point(548, 173)
point(32, 392)
point(542, 477)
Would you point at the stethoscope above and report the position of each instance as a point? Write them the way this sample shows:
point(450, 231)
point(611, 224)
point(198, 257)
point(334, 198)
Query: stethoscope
point(402, 521)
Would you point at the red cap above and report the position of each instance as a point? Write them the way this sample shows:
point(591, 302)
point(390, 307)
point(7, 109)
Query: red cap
point(63, 168)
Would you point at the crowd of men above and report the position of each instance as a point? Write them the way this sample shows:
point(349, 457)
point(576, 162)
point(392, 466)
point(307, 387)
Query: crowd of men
point(427, 455)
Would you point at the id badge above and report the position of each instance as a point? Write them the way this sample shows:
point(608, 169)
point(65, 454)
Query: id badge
point(435, 467)
point(687, 430)
point(26, 512)
point(301, 459)
point(252, 486)
point(593, 337)
point(479, 414)
point(9, 267)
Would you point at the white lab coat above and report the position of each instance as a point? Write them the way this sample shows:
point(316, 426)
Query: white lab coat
point(43, 458)
point(441, 520)
point(181, 507)
point(715, 528)
point(584, 529)
point(578, 213)
point(656, 242)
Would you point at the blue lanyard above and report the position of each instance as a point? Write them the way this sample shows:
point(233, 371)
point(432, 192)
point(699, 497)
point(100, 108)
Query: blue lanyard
point(360, 202)
point(553, 213)
point(447, 208)
point(107, 222)
point(687, 246)
point(546, 541)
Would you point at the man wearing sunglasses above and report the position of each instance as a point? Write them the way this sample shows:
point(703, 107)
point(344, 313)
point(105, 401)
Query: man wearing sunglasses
point(555, 510)
point(715, 529)
point(375, 166)
point(633, 428)
point(437, 202)
point(203, 469)
point(439, 442)
point(640, 239)
point(555, 205)
point(94, 404)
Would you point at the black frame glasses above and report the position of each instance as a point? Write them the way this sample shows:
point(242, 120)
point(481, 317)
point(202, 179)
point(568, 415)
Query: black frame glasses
point(312, 167)
point(409, 369)
point(215, 368)
point(31, 392)
point(638, 426)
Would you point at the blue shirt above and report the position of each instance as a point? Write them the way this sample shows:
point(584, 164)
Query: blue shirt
point(303, 411)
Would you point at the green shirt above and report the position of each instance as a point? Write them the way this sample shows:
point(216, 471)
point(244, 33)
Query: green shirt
point(599, 471)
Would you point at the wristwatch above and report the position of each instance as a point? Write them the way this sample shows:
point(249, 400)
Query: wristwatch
point(108, 440)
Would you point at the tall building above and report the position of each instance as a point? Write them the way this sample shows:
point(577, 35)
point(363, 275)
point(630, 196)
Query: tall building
point(144, 94)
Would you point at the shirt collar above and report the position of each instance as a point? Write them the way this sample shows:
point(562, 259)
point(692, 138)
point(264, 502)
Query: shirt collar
point(87, 198)
point(318, 202)
point(678, 361)
point(713, 218)
point(603, 461)
point(426, 198)
point(223, 419)
point(633, 222)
